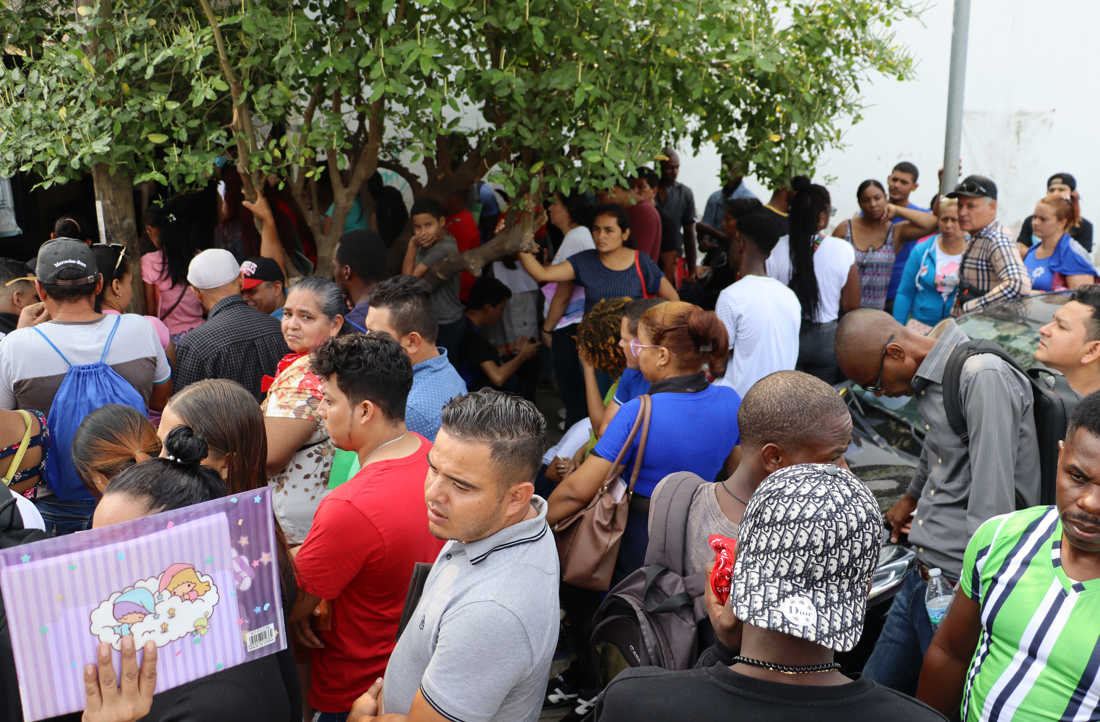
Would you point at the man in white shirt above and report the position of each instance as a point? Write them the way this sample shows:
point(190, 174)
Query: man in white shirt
point(762, 315)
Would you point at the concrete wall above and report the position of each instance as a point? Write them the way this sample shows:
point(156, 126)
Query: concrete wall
point(1032, 103)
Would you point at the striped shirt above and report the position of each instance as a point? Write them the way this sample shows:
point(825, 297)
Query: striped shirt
point(875, 266)
point(1038, 655)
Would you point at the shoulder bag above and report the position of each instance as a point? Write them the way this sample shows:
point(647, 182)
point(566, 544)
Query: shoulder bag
point(588, 541)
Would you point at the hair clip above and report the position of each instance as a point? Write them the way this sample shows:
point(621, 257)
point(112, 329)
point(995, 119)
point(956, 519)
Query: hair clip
point(706, 348)
point(172, 458)
point(171, 217)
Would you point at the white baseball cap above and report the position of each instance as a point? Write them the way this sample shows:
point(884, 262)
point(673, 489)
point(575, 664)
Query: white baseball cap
point(213, 268)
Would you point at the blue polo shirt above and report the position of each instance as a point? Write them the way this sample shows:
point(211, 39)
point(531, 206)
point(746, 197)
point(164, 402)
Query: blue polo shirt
point(435, 382)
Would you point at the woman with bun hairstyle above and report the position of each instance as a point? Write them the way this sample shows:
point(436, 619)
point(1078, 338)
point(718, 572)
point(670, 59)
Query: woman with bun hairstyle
point(821, 271)
point(255, 690)
point(110, 439)
point(675, 342)
point(228, 418)
point(1057, 262)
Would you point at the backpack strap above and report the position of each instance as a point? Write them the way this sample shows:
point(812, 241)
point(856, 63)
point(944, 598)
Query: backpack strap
point(952, 385)
point(668, 520)
point(680, 599)
point(23, 445)
point(110, 338)
point(55, 348)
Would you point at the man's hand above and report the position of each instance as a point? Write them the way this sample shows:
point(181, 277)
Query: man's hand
point(306, 634)
point(900, 516)
point(367, 705)
point(105, 702)
point(33, 315)
point(520, 342)
point(726, 626)
point(261, 209)
point(530, 348)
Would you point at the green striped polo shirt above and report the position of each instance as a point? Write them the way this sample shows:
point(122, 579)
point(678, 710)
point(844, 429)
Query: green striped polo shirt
point(1038, 656)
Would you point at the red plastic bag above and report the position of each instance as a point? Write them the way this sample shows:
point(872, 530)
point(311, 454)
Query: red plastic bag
point(721, 575)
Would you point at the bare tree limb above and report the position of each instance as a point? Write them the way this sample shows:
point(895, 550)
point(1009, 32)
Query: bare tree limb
point(515, 238)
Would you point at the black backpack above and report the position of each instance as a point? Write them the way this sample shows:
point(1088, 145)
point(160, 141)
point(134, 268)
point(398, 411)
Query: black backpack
point(1051, 408)
point(656, 616)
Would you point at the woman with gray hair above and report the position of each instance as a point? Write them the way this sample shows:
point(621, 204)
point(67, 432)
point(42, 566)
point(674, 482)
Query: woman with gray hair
point(299, 451)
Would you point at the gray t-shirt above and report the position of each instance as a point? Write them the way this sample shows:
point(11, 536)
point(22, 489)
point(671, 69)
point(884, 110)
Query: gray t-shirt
point(31, 370)
point(448, 307)
point(480, 643)
point(705, 517)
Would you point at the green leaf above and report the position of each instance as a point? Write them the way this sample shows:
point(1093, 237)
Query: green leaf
point(157, 137)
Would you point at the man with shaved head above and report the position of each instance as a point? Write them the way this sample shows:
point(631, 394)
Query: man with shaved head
point(775, 436)
point(958, 485)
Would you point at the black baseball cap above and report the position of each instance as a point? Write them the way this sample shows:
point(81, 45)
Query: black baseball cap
point(1063, 178)
point(258, 269)
point(61, 253)
point(975, 186)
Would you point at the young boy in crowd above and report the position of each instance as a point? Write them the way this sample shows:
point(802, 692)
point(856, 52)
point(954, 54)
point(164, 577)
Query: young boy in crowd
point(430, 244)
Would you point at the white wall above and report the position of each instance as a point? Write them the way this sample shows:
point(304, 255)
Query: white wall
point(1032, 103)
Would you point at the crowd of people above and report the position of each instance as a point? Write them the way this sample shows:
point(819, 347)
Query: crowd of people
point(393, 420)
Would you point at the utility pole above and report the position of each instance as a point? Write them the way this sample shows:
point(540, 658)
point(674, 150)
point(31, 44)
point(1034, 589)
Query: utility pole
point(956, 90)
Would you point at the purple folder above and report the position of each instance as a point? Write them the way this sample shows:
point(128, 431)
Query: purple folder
point(201, 582)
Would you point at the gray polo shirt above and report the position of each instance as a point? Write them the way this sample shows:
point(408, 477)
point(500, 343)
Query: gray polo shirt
point(480, 643)
point(958, 487)
point(680, 206)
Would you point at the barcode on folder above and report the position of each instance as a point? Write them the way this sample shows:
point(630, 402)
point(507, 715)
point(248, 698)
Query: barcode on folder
point(261, 637)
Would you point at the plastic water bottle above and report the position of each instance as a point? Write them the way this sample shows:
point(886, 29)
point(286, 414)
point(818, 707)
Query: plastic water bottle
point(938, 598)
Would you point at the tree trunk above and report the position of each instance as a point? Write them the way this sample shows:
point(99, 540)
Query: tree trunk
point(114, 205)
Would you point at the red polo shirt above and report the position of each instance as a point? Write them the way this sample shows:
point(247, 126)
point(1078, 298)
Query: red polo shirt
point(467, 237)
point(366, 536)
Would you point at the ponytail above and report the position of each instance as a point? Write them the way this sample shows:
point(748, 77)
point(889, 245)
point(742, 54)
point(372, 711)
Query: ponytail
point(1066, 210)
point(809, 202)
point(109, 440)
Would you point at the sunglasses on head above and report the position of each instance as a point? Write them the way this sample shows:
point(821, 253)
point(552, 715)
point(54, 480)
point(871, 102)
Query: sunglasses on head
point(972, 187)
point(114, 246)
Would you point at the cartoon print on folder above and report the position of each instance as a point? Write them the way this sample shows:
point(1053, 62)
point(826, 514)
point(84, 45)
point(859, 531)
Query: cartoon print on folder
point(172, 605)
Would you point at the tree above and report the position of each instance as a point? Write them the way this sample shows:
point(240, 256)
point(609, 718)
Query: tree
point(551, 95)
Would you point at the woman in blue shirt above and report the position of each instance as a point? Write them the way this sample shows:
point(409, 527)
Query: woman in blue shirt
point(692, 427)
point(927, 288)
point(613, 270)
point(1057, 262)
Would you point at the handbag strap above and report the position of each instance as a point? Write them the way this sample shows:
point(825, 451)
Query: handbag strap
point(179, 300)
point(638, 268)
point(616, 466)
point(647, 407)
point(23, 445)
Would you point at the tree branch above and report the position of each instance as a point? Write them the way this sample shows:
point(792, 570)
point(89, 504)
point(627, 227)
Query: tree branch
point(515, 238)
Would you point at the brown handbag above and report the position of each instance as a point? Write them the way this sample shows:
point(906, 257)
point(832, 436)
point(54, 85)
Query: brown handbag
point(588, 541)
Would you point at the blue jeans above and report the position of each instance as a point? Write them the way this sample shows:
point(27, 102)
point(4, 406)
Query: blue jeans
point(66, 517)
point(330, 716)
point(899, 652)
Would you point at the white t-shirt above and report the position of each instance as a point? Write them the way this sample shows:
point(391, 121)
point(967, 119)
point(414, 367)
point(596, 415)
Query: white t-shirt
point(832, 261)
point(762, 317)
point(577, 240)
point(517, 280)
point(947, 271)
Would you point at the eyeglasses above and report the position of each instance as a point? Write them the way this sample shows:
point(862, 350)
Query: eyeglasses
point(114, 246)
point(636, 346)
point(877, 388)
point(832, 212)
point(21, 278)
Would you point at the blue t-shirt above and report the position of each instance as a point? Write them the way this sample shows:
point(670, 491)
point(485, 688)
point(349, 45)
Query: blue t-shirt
point(901, 257)
point(687, 432)
point(357, 217)
point(600, 282)
point(631, 385)
point(1069, 259)
point(435, 382)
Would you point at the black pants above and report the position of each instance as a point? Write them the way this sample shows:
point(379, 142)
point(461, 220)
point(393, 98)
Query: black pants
point(569, 374)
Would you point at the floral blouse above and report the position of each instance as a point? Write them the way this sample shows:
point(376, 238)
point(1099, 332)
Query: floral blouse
point(297, 490)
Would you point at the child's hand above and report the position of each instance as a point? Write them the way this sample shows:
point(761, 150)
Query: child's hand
point(425, 240)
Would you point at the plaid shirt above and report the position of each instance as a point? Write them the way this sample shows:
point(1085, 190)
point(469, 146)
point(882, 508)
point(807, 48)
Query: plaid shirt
point(992, 264)
point(237, 342)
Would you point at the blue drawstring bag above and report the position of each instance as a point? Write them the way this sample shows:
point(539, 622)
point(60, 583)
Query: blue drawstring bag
point(83, 390)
